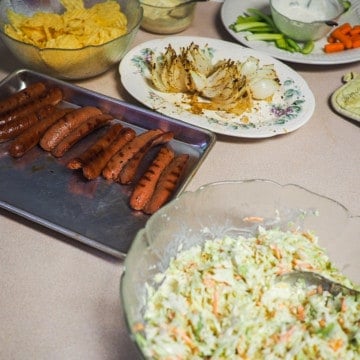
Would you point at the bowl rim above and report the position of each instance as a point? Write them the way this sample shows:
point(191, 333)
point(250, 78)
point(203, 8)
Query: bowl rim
point(254, 180)
point(163, 7)
point(46, 49)
point(163, 210)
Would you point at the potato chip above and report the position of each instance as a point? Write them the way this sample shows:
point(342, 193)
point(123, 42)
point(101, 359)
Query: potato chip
point(77, 27)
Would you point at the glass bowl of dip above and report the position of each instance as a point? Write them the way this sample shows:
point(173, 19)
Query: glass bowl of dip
point(305, 20)
point(167, 16)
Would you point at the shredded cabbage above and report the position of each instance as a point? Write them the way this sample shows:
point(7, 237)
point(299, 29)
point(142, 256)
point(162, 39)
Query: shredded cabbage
point(222, 301)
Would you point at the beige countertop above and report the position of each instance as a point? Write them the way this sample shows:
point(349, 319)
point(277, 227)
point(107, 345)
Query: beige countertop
point(60, 299)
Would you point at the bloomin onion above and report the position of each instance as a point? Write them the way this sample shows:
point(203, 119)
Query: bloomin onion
point(227, 85)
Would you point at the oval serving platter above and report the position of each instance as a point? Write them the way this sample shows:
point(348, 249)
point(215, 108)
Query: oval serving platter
point(289, 109)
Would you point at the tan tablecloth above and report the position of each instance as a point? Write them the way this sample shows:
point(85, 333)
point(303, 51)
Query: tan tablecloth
point(59, 299)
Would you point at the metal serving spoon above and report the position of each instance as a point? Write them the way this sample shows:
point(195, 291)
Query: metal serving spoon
point(312, 278)
point(180, 11)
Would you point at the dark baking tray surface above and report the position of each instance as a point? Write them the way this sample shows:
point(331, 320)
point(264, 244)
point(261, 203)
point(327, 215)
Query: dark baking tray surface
point(40, 188)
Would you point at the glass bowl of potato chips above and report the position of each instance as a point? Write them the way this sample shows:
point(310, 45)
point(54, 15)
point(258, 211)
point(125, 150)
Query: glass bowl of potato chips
point(69, 39)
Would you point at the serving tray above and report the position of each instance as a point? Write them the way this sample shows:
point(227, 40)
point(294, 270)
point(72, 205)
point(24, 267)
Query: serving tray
point(41, 188)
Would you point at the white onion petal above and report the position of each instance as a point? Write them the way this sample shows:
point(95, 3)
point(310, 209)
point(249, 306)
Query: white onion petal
point(263, 88)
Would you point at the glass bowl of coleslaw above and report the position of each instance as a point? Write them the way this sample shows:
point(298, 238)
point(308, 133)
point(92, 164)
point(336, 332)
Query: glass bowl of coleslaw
point(69, 39)
point(200, 278)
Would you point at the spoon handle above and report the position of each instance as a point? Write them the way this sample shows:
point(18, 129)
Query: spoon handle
point(312, 278)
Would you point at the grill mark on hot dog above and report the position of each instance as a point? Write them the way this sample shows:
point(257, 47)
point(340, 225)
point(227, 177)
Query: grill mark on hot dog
point(128, 173)
point(167, 183)
point(22, 97)
point(31, 136)
point(14, 128)
point(51, 97)
point(145, 187)
point(94, 168)
point(99, 145)
point(118, 161)
point(80, 132)
point(65, 125)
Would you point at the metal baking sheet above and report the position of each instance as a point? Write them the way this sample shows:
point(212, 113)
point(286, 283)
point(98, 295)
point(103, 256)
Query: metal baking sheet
point(40, 188)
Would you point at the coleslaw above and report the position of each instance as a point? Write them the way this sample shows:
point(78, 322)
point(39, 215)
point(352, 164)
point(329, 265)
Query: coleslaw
point(223, 301)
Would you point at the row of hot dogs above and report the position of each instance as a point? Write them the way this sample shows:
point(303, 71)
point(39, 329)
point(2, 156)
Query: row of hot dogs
point(35, 116)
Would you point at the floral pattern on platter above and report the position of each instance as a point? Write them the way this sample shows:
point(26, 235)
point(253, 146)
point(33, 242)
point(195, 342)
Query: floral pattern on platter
point(286, 105)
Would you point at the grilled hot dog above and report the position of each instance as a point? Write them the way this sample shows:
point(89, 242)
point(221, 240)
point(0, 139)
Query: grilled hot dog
point(51, 97)
point(80, 132)
point(118, 161)
point(58, 131)
point(14, 128)
point(31, 136)
point(145, 187)
point(129, 171)
point(90, 153)
point(22, 97)
point(167, 183)
point(94, 168)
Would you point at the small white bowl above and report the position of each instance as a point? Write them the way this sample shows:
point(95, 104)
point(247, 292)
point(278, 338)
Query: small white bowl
point(305, 20)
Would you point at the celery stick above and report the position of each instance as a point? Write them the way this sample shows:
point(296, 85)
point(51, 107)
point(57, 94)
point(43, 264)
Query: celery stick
point(308, 47)
point(267, 18)
point(282, 44)
point(246, 26)
point(246, 19)
point(265, 37)
point(293, 44)
point(264, 29)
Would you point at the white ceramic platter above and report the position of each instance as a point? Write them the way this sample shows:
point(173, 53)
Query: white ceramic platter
point(231, 9)
point(290, 108)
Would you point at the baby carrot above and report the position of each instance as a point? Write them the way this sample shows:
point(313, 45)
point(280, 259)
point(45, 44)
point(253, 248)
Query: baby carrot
point(331, 39)
point(355, 30)
point(334, 47)
point(356, 43)
point(355, 37)
point(344, 28)
point(342, 37)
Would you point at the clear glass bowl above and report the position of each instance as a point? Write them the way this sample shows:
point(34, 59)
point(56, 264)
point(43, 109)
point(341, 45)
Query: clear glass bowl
point(317, 15)
point(70, 63)
point(219, 208)
point(166, 17)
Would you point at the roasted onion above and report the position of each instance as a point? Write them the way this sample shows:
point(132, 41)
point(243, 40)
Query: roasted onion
point(227, 85)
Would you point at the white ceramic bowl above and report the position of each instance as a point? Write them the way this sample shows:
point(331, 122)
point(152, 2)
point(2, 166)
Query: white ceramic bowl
point(305, 20)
